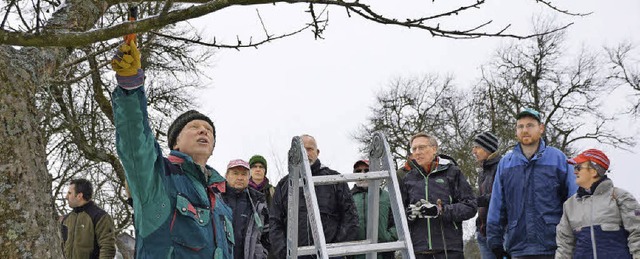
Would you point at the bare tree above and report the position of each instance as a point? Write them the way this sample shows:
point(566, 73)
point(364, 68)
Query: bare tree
point(626, 71)
point(52, 35)
point(430, 104)
point(539, 73)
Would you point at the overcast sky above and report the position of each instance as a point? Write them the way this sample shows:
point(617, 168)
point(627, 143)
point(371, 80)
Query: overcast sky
point(260, 98)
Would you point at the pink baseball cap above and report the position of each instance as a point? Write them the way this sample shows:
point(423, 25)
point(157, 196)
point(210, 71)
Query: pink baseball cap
point(238, 162)
point(362, 161)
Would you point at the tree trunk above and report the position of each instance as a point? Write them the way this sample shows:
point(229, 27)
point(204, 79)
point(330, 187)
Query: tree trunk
point(29, 227)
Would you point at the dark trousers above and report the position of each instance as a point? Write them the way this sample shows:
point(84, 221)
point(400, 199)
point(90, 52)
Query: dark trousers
point(442, 255)
point(534, 257)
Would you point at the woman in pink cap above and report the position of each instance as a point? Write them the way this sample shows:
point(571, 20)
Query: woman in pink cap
point(600, 220)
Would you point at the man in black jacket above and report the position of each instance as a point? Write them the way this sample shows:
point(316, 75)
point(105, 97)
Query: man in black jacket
point(337, 209)
point(485, 147)
point(250, 214)
point(438, 198)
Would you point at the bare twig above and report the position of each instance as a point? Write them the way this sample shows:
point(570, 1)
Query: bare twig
point(548, 4)
point(238, 46)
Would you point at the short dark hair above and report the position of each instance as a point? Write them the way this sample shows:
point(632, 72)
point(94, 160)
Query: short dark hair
point(83, 186)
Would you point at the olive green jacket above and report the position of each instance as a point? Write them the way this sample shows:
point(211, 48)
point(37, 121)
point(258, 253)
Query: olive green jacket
point(88, 232)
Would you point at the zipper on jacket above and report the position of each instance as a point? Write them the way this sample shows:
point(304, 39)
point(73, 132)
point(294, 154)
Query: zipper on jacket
point(426, 197)
point(593, 236)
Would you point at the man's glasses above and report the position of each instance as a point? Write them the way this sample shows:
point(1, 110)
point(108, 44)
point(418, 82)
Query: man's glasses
point(528, 126)
point(366, 170)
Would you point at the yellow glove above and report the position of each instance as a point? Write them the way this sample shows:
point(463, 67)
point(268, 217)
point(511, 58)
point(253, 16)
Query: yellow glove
point(126, 61)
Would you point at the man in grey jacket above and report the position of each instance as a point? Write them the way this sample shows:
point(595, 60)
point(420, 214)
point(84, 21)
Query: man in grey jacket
point(600, 220)
point(250, 214)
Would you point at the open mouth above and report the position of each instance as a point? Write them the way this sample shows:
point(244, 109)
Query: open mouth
point(203, 141)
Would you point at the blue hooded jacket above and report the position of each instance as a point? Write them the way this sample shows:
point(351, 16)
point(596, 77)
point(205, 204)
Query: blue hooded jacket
point(526, 201)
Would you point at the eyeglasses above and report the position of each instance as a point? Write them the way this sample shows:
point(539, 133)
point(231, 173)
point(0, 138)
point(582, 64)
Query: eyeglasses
point(366, 170)
point(420, 148)
point(528, 126)
point(579, 167)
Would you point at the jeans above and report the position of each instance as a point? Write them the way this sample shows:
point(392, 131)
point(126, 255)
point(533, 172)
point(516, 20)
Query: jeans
point(485, 251)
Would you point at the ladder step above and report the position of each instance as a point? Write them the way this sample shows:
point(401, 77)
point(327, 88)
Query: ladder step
point(354, 248)
point(340, 178)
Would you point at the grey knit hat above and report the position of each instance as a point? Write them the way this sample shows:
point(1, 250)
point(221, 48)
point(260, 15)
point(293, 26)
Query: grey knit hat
point(181, 121)
point(488, 141)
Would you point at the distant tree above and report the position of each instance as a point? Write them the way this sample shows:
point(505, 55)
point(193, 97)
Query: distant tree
point(430, 104)
point(567, 88)
point(50, 34)
point(626, 71)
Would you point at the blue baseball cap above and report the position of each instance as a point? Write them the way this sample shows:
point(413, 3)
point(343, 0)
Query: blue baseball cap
point(529, 112)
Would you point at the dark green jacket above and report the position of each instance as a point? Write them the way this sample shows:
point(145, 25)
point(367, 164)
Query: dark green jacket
point(88, 232)
point(386, 228)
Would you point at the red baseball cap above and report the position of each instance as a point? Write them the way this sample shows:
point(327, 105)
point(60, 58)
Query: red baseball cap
point(361, 161)
point(238, 162)
point(592, 155)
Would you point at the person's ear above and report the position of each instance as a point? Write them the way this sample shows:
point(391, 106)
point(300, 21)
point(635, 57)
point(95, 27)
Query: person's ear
point(318, 151)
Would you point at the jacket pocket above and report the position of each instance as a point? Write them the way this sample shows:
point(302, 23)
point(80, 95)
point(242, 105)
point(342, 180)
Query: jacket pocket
point(610, 227)
point(510, 235)
point(190, 226)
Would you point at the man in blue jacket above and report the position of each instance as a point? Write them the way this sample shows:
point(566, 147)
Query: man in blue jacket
point(177, 199)
point(531, 184)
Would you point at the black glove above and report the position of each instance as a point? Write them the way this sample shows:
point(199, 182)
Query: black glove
point(429, 211)
point(482, 201)
point(500, 253)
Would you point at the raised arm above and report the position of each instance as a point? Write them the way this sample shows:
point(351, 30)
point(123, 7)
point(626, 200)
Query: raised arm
point(137, 148)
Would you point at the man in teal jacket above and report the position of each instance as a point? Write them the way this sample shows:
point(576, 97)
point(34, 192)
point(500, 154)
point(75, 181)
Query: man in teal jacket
point(177, 199)
point(386, 227)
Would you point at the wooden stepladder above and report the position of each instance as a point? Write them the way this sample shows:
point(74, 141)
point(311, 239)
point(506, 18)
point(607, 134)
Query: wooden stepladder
point(380, 169)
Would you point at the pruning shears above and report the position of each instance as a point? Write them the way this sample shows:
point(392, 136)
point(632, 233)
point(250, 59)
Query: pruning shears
point(133, 16)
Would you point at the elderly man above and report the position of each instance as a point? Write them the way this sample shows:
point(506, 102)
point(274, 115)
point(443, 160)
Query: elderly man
point(600, 221)
point(438, 198)
point(339, 216)
point(250, 214)
point(530, 185)
point(177, 199)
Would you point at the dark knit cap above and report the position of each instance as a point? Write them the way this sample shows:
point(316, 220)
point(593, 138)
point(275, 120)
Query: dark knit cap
point(181, 121)
point(258, 159)
point(488, 141)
